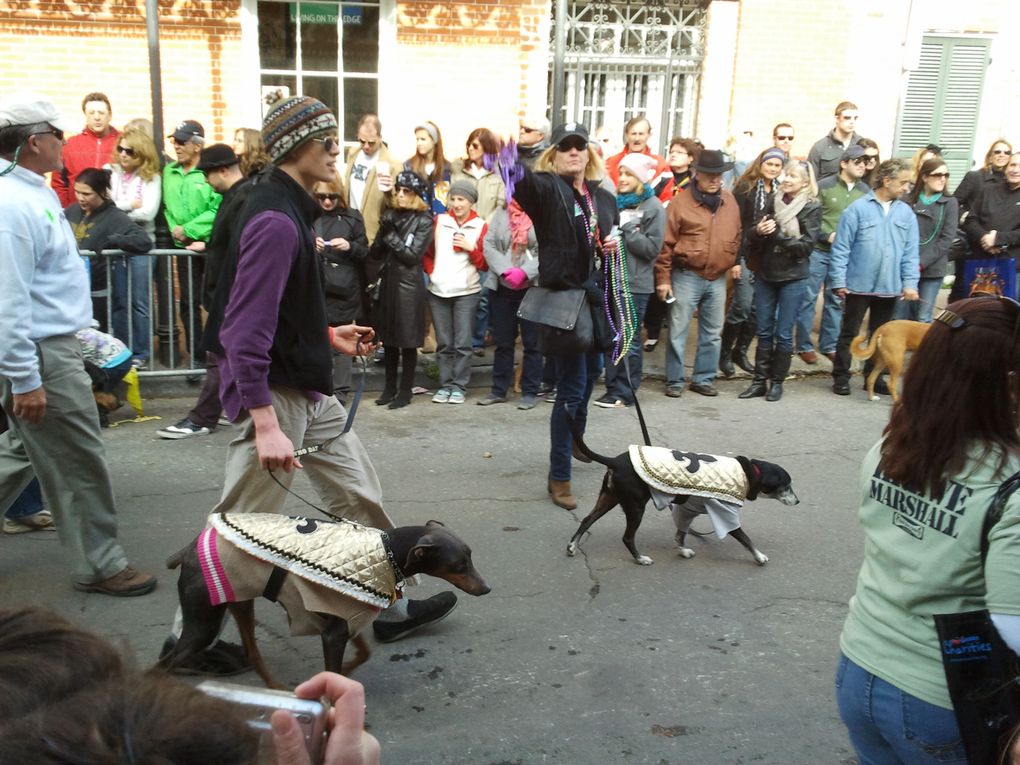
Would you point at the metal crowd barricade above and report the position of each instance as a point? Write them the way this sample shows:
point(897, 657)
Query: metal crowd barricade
point(170, 297)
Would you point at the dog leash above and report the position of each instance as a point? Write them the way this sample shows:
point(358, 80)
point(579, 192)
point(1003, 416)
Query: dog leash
point(328, 442)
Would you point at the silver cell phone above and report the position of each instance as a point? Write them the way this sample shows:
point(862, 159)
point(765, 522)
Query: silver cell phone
point(258, 705)
point(671, 299)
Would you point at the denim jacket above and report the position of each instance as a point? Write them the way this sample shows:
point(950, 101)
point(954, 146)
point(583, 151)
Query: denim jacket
point(875, 253)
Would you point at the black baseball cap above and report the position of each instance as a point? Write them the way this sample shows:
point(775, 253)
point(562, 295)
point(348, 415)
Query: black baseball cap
point(216, 156)
point(187, 131)
point(566, 130)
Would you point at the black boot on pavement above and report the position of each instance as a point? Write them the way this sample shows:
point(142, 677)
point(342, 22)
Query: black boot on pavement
point(744, 338)
point(762, 370)
point(780, 368)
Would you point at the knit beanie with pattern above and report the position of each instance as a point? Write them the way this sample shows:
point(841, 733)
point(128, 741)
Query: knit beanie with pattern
point(293, 122)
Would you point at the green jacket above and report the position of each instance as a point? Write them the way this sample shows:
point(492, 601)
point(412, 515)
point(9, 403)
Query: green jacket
point(835, 198)
point(189, 201)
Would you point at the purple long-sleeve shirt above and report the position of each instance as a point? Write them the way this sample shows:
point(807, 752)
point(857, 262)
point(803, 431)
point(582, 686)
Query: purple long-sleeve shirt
point(269, 247)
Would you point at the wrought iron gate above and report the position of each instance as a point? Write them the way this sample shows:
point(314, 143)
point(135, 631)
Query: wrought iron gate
point(629, 58)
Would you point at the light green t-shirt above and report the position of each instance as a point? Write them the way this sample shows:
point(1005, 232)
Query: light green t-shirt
point(922, 556)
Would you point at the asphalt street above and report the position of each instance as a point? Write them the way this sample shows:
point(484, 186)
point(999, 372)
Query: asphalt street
point(590, 659)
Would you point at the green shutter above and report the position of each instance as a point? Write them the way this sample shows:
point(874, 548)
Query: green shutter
point(942, 100)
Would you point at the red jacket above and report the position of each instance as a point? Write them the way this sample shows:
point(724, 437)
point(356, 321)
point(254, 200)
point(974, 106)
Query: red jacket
point(662, 171)
point(83, 151)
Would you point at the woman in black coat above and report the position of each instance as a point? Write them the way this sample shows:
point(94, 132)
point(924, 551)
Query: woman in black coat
point(342, 244)
point(572, 217)
point(779, 252)
point(98, 226)
point(405, 233)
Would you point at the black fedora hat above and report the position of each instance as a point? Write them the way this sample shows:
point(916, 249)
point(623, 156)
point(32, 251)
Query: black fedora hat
point(712, 161)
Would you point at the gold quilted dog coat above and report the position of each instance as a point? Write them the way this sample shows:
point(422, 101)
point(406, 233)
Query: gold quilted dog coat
point(701, 475)
point(339, 568)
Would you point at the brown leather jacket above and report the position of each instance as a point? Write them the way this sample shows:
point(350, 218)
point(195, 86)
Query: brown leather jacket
point(698, 240)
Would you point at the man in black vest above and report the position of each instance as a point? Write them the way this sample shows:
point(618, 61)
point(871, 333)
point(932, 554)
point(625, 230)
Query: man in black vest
point(267, 327)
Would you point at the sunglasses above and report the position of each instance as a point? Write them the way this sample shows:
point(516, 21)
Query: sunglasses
point(861, 160)
point(784, 137)
point(52, 131)
point(126, 150)
point(1000, 151)
point(572, 143)
point(329, 143)
point(938, 175)
point(328, 197)
point(871, 158)
point(370, 144)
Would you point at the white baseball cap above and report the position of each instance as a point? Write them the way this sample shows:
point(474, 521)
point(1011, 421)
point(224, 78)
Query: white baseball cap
point(30, 109)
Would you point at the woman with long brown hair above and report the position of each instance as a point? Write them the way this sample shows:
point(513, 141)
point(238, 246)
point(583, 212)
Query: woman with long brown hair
point(926, 487)
point(430, 163)
point(753, 192)
point(248, 146)
point(937, 218)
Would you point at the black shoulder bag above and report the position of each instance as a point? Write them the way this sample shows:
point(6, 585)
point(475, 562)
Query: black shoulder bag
point(982, 672)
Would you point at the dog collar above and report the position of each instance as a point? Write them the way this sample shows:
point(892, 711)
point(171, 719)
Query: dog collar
point(400, 578)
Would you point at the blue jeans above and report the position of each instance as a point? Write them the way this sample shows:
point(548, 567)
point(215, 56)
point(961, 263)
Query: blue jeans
point(503, 305)
point(832, 307)
point(139, 337)
point(575, 379)
point(742, 306)
point(692, 292)
point(920, 310)
point(454, 320)
point(29, 502)
point(616, 376)
point(888, 726)
point(776, 305)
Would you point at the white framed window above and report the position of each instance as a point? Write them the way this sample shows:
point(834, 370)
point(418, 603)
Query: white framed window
point(327, 50)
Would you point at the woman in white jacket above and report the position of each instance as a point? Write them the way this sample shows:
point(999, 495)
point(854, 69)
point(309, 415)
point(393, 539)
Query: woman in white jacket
point(135, 188)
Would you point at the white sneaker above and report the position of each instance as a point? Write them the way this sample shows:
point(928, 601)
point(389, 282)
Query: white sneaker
point(456, 397)
point(442, 396)
point(183, 429)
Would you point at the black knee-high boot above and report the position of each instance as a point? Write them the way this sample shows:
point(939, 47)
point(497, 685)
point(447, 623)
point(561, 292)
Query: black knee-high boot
point(391, 358)
point(729, 337)
point(762, 372)
point(780, 368)
point(743, 342)
point(408, 363)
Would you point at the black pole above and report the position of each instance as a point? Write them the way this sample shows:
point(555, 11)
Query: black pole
point(559, 54)
point(155, 74)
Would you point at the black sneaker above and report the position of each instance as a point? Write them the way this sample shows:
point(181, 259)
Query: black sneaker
point(609, 401)
point(419, 613)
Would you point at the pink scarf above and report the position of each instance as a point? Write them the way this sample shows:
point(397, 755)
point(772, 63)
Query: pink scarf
point(520, 225)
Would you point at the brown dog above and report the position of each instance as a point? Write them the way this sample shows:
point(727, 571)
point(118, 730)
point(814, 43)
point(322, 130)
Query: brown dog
point(333, 578)
point(888, 345)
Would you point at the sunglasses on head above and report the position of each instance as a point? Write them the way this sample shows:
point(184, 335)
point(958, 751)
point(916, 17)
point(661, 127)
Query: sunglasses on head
point(328, 197)
point(126, 151)
point(329, 143)
point(573, 142)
